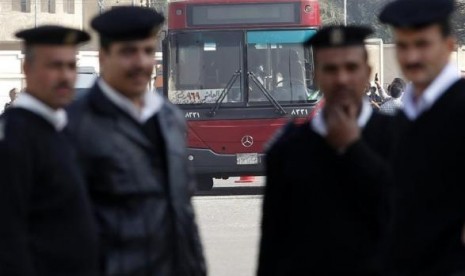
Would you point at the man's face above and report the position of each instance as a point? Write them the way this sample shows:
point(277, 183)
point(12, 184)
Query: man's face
point(127, 66)
point(342, 74)
point(422, 54)
point(51, 74)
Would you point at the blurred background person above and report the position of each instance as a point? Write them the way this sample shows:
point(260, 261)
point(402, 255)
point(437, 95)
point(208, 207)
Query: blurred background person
point(13, 95)
point(393, 99)
point(373, 96)
point(394, 102)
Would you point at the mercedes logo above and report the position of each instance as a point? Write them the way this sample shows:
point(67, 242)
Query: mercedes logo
point(247, 141)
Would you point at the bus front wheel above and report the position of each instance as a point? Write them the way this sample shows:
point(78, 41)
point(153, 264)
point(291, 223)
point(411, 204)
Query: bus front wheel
point(204, 182)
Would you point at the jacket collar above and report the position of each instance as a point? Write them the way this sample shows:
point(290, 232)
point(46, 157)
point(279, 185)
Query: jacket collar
point(122, 121)
point(412, 109)
point(152, 102)
point(57, 118)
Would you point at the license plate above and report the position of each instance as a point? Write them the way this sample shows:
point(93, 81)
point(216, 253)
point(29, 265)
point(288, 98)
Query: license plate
point(247, 158)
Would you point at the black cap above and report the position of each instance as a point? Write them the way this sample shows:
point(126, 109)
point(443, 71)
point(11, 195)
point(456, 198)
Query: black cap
point(339, 36)
point(124, 23)
point(54, 35)
point(414, 13)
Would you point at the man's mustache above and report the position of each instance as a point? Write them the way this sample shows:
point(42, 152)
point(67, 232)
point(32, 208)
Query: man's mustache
point(343, 89)
point(414, 66)
point(64, 85)
point(138, 71)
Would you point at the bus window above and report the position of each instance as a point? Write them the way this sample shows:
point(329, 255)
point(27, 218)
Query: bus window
point(281, 65)
point(202, 64)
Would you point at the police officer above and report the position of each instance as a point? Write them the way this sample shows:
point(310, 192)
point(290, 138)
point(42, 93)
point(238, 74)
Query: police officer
point(132, 146)
point(428, 203)
point(47, 224)
point(322, 211)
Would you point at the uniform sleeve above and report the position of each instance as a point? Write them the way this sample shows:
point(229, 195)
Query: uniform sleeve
point(372, 174)
point(16, 180)
point(274, 214)
point(366, 164)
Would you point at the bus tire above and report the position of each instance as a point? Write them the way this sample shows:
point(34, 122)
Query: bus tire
point(204, 182)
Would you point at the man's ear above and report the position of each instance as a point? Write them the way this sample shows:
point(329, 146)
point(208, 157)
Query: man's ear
point(452, 43)
point(26, 67)
point(101, 52)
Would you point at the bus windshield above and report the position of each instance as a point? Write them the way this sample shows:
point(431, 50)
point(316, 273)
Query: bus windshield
point(204, 64)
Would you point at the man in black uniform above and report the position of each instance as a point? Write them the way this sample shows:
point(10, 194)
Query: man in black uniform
point(428, 164)
point(133, 149)
point(322, 206)
point(47, 224)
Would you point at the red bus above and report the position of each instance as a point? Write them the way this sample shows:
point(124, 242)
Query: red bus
point(238, 70)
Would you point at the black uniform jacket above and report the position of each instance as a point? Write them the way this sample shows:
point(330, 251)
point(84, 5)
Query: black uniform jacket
point(429, 192)
point(322, 212)
point(139, 182)
point(47, 227)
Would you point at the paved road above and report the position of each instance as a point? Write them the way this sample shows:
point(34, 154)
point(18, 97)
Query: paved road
point(229, 226)
point(231, 187)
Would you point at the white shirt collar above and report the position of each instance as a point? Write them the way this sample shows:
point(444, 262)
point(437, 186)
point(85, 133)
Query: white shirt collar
point(448, 76)
point(152, 102)
point(57, 118)
point(318, 123)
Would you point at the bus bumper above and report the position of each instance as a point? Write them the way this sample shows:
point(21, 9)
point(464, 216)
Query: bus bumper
point(208, 162)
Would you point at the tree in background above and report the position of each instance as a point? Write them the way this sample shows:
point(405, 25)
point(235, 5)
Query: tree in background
point(332, 12)
point(360, 12)
point(159, 5)
point(458, 22)
point(365, 12)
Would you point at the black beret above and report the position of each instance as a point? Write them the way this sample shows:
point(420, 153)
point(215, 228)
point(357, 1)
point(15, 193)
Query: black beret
point(51, 34)
point(414, 13)
point(339, 36)
point(124, 23)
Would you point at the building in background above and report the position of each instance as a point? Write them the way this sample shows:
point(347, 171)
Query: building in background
point(22, 14)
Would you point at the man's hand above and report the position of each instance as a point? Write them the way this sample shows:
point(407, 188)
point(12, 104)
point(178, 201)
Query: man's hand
point(375, 105)
point(342, 126)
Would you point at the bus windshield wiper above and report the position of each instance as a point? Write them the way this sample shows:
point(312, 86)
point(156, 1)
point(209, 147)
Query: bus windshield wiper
point(267, 94)
point(224, 92)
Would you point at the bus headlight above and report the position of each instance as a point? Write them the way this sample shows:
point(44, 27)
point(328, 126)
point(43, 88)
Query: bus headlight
point(190, 157)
